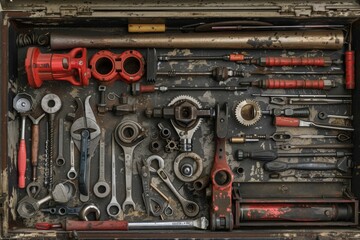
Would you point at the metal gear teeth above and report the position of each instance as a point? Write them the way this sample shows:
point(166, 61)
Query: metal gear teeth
point(255, 115)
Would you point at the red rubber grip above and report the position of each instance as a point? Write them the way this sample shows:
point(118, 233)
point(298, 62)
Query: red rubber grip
point(287, 84)
point(236, 57)
point(286, 122)
point(350, 70)
point(22, 163)
point(147, 88)
point(73, 225)
point(296, 61)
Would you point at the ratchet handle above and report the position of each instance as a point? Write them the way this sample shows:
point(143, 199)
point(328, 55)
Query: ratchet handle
point(73, 225)
point(295, 61)
point(291, 84)
point(282, 166)
point(286, 122)
point(22, 163)
point(85, 135)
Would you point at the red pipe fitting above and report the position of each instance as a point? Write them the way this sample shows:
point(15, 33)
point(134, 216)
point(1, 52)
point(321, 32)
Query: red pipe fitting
point(106, 66)
point(69, 67)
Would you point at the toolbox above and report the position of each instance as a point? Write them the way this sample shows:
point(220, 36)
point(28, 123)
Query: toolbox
point(191, 119)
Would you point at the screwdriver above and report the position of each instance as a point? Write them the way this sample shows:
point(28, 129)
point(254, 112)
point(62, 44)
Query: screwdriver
point(349, 66)
point(288, 112)
point(293, 61)
point(137, 88)
point(295, 122)
point(287, 147)
point(291, 84)
point(285, 137)
point(273, 155)
point(233, 57)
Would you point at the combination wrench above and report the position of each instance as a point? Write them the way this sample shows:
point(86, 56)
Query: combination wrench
point(191, 209)
point(102, 188)
point(113, 208)
point(72, 173)
point(129, 135)
point(60, 160)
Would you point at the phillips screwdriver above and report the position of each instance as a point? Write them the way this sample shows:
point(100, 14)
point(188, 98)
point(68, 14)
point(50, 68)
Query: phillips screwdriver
point(138, 88)
point(285, 137)
point(291, 84)
point(293, 61)
point(233, 57)
point(295, 122)
point(288, 112)
point(273, 155)
point(341, 165)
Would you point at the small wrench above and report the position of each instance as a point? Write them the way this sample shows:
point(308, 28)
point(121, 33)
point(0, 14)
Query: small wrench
point(113, 208)
point(286, 136)
point(72, 174)
point(324, 115)
point(129, 135)
point(102, 188)
point(60, 160)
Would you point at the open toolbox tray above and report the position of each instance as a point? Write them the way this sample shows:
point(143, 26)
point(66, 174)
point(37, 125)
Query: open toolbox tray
point(255, 203)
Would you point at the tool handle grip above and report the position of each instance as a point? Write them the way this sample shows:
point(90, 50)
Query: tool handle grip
point(259, 155)
point(295, 61)
point(291, 84)
point(234, 57)
point(22, 163)
point(147, 88)
point(282, 166)
point(73, 225)
point(297, 112)
point(46, 226)
point(142, 28)
point(34, 145)
point(286, 122)
point(350, 69)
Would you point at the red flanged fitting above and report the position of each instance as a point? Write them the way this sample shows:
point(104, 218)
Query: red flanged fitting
point(69, 67)
point(103, 66)
point(106, 66)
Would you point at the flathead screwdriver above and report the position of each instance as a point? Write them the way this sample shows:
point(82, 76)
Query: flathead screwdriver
point(269, 155)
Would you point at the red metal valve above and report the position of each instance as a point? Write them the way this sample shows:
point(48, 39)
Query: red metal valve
point(106, 66)
point(69, 67)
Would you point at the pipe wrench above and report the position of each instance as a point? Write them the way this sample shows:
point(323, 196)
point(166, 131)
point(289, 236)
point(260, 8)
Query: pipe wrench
point(86, 134)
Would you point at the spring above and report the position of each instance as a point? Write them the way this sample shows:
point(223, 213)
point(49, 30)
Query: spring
point(51, 153)
point(46, 162)
point(28, 39)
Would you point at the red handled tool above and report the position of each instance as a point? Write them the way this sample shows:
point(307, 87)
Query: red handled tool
point(294, 61)
point(70, 67)
point(349, 66)
point(295, 122)
point(233, 57)
point(291, 84)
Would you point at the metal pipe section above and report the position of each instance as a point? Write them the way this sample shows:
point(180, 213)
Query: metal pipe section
point(316, 39)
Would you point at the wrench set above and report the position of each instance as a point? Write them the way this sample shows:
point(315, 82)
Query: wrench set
point(137, 136)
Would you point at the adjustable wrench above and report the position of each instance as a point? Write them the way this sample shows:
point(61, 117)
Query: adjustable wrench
point(86, 134)
point(129, 134)
point(113, 208)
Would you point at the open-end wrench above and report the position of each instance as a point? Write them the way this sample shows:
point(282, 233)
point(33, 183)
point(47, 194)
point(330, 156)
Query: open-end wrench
point(324, 115)
point(72, 174)
point(102, 188)
point(86, 134)
point(83, 212)
point(129, 135)
point(113, 208)
point(60, 160)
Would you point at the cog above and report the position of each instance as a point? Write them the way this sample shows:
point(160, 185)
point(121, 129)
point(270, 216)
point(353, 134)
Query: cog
point(248, 112)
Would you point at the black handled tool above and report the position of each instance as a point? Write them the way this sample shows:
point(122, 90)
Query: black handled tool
point(272, 155)
point(341, 165)
point(288, 112)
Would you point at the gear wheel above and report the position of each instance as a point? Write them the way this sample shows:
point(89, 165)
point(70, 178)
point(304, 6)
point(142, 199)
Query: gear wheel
point(195, 102)
point(248, 112)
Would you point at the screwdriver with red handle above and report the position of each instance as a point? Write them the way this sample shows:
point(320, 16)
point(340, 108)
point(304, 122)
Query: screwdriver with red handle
point(291, 84)
point(349, 66)
point(295, 122)
point(294, 61)
point(233, 57)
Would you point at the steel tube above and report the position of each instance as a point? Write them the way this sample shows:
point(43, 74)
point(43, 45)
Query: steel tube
point(317, 39)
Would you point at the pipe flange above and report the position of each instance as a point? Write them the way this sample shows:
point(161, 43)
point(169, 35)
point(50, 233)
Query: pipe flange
point(103, 66)
point(132, 66)
point(189, 177)
point(248, 112)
